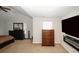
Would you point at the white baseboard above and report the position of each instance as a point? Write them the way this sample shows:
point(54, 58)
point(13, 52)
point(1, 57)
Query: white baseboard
point(36, 42)
point(57, 42)
point(41, 42)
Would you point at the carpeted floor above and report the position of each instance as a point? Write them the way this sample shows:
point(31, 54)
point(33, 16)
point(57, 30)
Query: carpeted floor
point(26, 46)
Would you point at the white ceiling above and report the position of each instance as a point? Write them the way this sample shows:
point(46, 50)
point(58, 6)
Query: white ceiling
point(55, 11)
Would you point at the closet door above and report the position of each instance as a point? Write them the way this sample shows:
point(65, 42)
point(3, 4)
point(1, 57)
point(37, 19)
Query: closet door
point(47, 37)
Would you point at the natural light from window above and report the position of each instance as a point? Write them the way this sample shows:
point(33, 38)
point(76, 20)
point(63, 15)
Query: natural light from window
point(47, 25)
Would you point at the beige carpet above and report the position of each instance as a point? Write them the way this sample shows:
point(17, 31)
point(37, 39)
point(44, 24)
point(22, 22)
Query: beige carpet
point(26, 46)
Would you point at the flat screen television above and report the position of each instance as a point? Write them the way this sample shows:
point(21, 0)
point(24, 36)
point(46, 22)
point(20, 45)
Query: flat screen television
point(70, 26)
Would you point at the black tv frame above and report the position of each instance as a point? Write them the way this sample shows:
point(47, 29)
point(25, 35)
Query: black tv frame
point(70, 26)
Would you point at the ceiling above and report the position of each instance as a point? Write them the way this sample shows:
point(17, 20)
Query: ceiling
point(55, 11)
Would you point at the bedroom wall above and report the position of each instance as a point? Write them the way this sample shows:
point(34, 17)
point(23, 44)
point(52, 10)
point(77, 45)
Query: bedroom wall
point(71, 14)
point(37, 28)
point(8, 18)
point(1, 26)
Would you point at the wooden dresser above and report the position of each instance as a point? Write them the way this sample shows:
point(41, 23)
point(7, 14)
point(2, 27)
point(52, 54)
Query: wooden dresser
point(17, 34)
point(47, 37)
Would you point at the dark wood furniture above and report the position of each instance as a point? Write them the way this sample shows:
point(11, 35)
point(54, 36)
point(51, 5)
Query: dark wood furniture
point(47, 37)
point(17, 34)
point(11, 32)
point(6, 40)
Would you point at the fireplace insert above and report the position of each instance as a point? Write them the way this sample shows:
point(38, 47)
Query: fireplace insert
point(72, 42)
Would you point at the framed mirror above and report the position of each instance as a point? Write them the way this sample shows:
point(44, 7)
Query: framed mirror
point(17, 26)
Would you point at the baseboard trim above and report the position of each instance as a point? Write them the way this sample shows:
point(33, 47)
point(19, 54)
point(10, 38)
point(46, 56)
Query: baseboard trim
point(41, 42)
point(37, 42)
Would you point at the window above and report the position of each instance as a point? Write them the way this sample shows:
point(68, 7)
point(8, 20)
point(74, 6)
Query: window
point(47, 25)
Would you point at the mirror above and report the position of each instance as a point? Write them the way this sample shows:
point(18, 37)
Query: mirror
point(17, 26)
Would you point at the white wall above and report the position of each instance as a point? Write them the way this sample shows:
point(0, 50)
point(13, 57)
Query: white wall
point(1, 27)
point(37, 28)
point(8, 18)
point(73, 13)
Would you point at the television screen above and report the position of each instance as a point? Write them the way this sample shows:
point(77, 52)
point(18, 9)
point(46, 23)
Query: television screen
point(71, 26)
